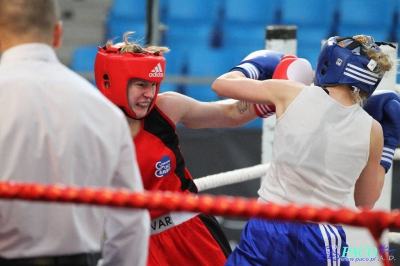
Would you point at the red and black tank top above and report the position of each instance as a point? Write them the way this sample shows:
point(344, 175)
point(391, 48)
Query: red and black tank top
point(160, 159)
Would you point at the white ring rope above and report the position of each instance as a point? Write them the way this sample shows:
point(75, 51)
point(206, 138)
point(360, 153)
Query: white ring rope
point(241, 175)
point(396, 154)
point(231, 177)
point(394, 237)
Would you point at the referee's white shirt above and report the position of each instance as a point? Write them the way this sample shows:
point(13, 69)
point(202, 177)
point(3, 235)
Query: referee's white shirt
point(55, 127)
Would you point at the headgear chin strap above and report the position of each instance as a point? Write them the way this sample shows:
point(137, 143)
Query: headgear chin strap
point(114, 70)
point(344, 61)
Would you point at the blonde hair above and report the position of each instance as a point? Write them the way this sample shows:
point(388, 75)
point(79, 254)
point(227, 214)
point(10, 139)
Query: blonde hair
point(382, 59)
point(359, 96)
point(384, 64)
point(135, 47)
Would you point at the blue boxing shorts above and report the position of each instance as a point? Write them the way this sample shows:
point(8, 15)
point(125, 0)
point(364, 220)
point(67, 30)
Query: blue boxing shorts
point(272, 243)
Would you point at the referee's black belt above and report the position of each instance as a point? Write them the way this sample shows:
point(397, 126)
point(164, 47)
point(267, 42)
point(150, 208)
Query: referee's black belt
point(84, 259)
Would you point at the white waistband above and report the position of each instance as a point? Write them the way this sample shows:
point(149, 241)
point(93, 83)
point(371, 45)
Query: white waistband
point(169, 220)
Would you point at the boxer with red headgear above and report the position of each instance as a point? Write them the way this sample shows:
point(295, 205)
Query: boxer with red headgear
point(115, 69)
point(130, 76)
point(325, 144)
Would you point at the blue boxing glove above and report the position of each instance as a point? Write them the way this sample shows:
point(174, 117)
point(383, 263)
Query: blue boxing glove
point(384, 106)
point(260, 64)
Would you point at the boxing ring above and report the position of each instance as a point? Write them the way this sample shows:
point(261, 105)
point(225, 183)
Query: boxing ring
point(375, 221)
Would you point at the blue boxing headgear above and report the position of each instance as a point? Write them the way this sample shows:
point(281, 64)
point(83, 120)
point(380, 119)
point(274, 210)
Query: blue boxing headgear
point(344, 61)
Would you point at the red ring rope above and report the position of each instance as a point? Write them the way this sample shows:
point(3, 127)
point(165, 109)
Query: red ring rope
point(375, 221)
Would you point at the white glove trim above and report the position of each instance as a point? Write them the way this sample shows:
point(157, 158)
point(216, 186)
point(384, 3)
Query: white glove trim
point(251, 70)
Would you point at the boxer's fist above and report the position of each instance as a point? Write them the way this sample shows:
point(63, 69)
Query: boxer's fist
point(384, 106)
point(293, 68)
point(260, 64)
point(290, 68)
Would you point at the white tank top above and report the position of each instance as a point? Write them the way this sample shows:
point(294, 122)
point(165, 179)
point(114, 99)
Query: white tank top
point(320, 148)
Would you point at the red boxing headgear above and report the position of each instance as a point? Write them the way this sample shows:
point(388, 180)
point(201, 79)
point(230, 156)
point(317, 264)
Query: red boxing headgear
point(113, 71)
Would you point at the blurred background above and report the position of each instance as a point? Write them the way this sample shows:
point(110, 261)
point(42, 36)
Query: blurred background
point(209, 37)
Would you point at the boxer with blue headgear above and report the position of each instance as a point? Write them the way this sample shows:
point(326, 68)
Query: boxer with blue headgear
point(357, 61)
point(324, 146)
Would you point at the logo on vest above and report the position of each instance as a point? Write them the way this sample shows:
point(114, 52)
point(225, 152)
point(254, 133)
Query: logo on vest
point(163, 166)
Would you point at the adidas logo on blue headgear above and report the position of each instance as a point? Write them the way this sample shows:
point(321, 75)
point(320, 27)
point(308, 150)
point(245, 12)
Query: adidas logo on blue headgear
point(344, 61)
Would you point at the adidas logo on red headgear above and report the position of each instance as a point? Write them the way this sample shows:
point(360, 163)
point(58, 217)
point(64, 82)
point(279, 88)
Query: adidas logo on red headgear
point(157, 71)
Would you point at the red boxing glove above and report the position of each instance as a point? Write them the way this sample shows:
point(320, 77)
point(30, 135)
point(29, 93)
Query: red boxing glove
point(290, 68)
point(296, 69)
point(264, 110)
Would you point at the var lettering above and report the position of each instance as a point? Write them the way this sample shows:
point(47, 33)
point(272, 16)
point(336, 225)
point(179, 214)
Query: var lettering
point(160, 223)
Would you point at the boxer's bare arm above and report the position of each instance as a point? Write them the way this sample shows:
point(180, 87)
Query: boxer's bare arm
point(195, 114)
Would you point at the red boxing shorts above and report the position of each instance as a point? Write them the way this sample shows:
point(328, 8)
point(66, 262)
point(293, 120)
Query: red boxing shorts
point(196, 241)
